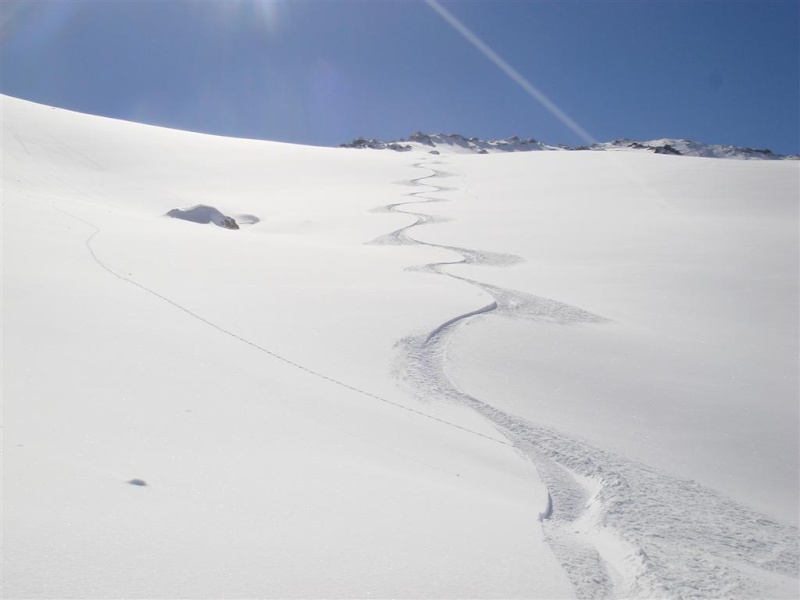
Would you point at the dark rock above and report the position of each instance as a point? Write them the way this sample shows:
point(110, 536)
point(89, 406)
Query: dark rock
point(667, 149)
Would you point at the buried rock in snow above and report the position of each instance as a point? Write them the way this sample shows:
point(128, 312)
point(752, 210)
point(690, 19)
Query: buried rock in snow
point(201, 213)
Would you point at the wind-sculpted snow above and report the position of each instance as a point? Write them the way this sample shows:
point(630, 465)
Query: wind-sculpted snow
point(620, 528)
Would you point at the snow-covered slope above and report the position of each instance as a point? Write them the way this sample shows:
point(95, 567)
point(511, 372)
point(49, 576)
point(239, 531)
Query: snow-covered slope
point(524, 375)
point(458, 144)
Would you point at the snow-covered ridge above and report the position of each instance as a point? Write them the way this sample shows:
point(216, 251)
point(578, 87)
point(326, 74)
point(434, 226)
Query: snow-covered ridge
point(680, 147)
point(455, 143)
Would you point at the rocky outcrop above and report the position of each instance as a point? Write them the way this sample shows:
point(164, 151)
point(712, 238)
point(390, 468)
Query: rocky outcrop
point(454, 142)
point(200, 213)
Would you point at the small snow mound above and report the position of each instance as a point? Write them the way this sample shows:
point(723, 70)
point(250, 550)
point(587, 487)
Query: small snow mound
point(246, 219)
point(203, 214)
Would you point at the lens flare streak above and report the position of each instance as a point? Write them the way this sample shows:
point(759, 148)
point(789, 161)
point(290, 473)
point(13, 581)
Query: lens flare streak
point(512, 73)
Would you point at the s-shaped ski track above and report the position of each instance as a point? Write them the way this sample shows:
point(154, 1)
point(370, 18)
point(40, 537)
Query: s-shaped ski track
point(620, 528)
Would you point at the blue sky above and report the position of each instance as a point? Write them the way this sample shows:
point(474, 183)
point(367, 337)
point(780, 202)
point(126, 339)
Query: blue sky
point(325, 72)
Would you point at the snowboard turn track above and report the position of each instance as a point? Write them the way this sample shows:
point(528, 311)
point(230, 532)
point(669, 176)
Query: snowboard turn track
point(620, 528)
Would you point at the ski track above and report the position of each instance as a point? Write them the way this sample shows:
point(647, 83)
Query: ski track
point(87, 193)
point(678, 539)
point(619, 527)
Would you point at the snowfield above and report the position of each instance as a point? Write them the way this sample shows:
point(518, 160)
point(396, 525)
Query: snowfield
point(409, 375)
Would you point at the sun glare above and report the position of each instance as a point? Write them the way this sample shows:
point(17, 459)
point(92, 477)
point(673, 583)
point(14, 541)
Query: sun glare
point(256, 14)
